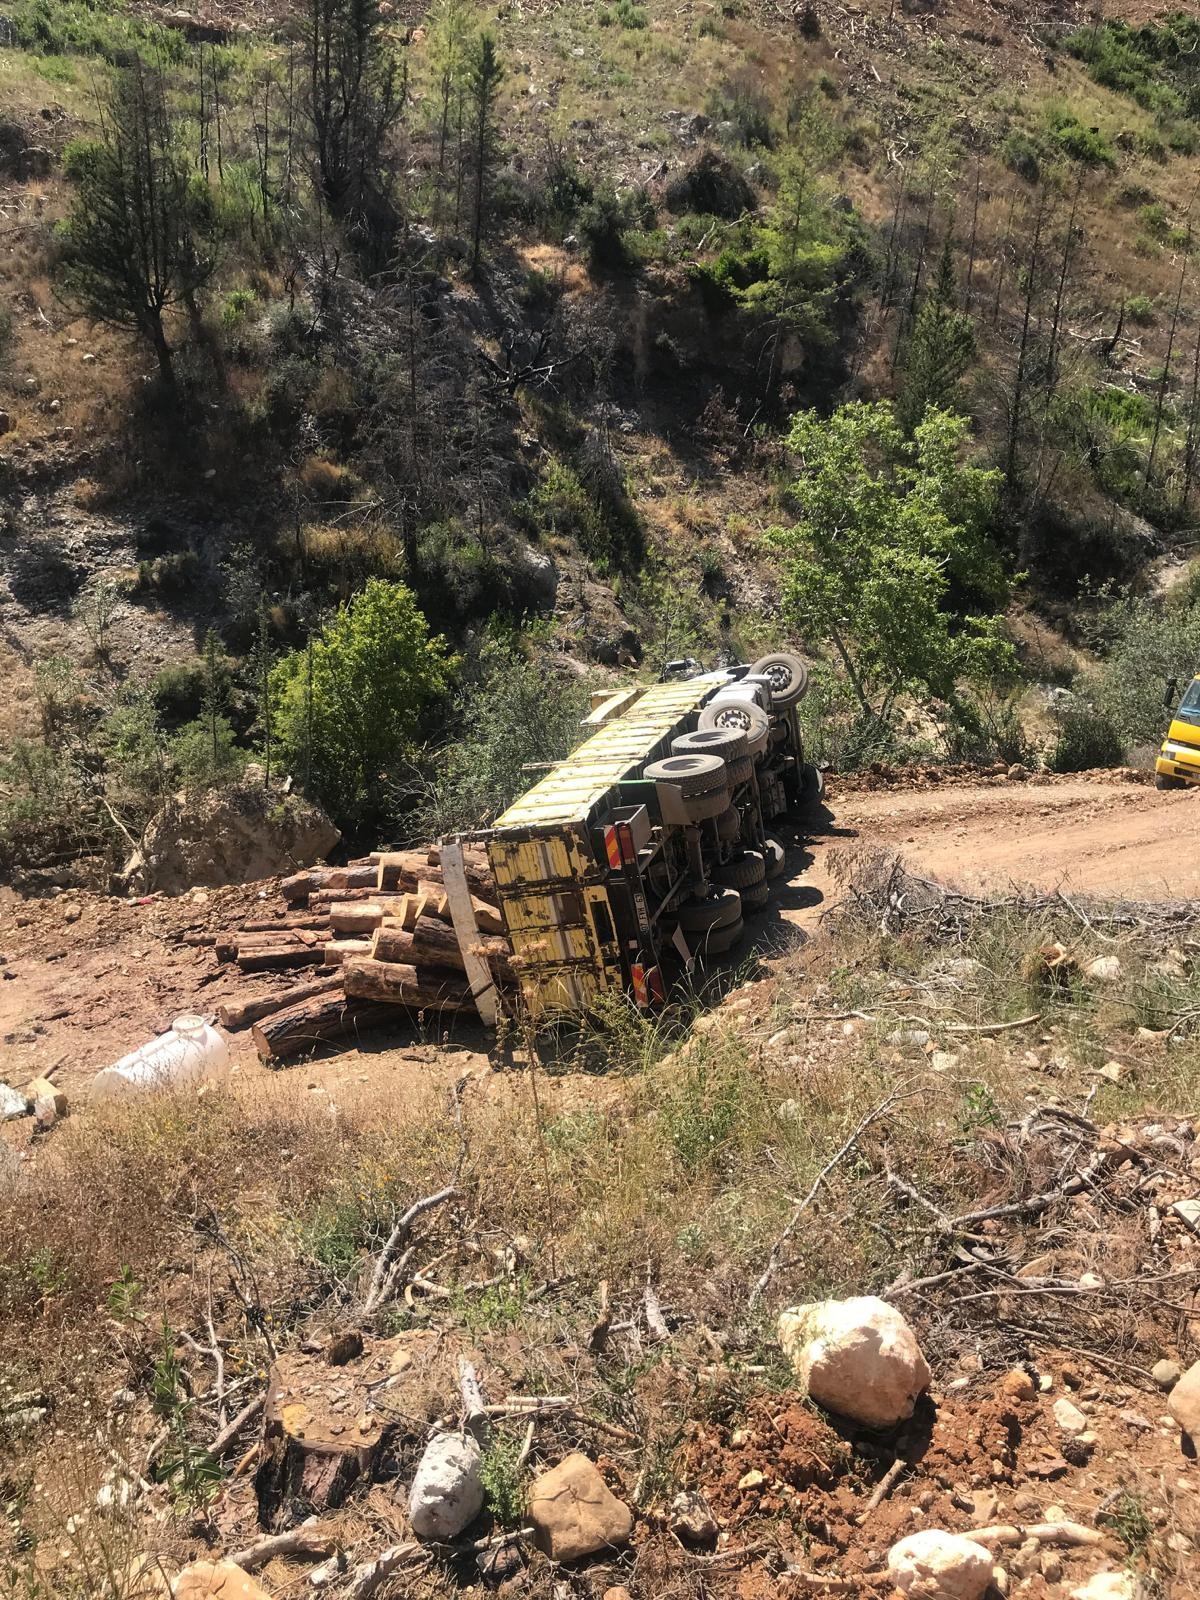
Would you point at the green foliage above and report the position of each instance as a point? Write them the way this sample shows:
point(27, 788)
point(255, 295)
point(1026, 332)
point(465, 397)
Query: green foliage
point(1086, 738)
point(512, 711)
point(90, 27)
point(741, 101)
point(491, 1310)
point(1078, 141)
point(124, 1296)
point(349, 707)
point(1129, 1519)
point(892, 551)
point(500, 1474)
point(605, 222)
point(205, 752)
point(940, 349)
point(1140, 308)
point(588, 507)
point(705, 1113)
point(1148, 642)
point(624, 14)
point(1156, 64)
point(1022, 155)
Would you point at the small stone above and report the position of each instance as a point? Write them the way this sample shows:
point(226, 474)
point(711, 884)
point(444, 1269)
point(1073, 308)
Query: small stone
point(1184, 1401)
point(1107, 1586)
point(752, 1480)
point(857, 1357)
point(447, 1490)
point(575, 1514)
point(12, 1104)
point(1113, 1071)
point(935, 1565)
point(1069, 1417)
point(1166, 1373)
point(692, 1519)
point(913, 1038)
point(1018, 1385)
point(943, 1060)
point(1106, 969)
point(1188, 1211)
point(1051, 1566)
point(88, 359)
point(42, 1089)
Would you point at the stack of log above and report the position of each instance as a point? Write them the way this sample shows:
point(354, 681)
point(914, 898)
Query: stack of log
point(375, 935)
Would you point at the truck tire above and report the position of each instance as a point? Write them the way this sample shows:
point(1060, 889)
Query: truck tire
point(787, 675)
point(747, 872)
point(719, 910)
point(728, 743)
point(756, 899)
point(704, 807)
point(812, 785)
point(1163, 781)
point(741, 771)
point(691, 774)
point(743, 715)
point(720, 941)
point(729, 825)
point(775, 857)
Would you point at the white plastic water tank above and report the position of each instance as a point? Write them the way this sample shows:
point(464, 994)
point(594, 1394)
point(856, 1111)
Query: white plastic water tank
point(191, 1051)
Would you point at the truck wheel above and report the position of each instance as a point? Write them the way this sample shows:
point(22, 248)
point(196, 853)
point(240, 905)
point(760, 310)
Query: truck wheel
point(747, 872)
point(691, 774)
point(743, 715)
point(1163, 781)
point(720, 941)
point(703, 807)
point(728, 743)
point(787, 675)
point(719, 910)
point(812, 786)
point(775, 857)
point(740, 771)
point(756, 899)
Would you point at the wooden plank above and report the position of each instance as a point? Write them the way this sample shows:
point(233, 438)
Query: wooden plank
point(462, 913)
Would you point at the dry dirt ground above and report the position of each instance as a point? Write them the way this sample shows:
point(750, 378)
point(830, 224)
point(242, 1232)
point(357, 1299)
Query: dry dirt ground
point(85, 978)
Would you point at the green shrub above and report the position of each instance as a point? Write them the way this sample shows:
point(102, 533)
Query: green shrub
point(512, 711)
point(604, 224)
point(205, 753)
point(1139, 308)
point(1086, 738)
point(349, 707)
point(1021, 155)
point(1081, 143)
point(1148, 642)
point(740, 100)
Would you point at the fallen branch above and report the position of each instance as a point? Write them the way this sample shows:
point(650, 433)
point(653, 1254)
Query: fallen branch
point(381, 1278)
point(839, 1155)
point(1071, 1535)
point(655, 1320)
point(309, 1539)
point(369, 1575)
point(602, 1327)
point(993, 1027)
point(229, 1433)
point(884, 1488)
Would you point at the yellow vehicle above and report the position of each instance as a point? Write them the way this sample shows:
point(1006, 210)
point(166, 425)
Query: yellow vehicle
point(647, 848)
point(1178, 763)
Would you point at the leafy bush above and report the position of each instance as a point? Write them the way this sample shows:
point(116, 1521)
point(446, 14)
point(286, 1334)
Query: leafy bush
point(1150, 641)
point(350, 705)
point(712, 185)
point(512, 711)
point(740, 100)
point(1083, 144)
point(588, 506)
point(205, 752)
point(1155, 64)
point(1022, 156)
point(1139, 308)
point(604, 223)
point(1086, 738)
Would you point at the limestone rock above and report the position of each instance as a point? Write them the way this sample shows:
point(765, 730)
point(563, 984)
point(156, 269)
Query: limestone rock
point(1165, 1373)
point(1106, 969)
point(1069, 1417)
point(12, 1104)
point(574, 1513)
point(1183, 1402)
point(42, 1089)
point(447, 1492)
point(229, 835)
point(1107, 1586)
point(934, 1565)
point(221, 1580)
point(858, 1357)
point(692, 1519)
point(145, 1579)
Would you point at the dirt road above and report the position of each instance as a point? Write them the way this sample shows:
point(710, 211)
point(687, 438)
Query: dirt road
point(87, 978)
point(1096, 835)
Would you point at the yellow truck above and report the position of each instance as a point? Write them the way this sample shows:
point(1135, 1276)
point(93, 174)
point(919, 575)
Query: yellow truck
point(1178, 763)
point(646, 849)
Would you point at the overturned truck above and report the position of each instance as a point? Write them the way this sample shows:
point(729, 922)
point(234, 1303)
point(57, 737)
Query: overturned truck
point(645, 850)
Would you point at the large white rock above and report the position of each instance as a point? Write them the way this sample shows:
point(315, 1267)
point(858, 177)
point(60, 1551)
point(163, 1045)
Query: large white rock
point(446, 1492)
point(1107, 1586)
point(1183, 1402)
point(934, 1565)
point(857, 1357)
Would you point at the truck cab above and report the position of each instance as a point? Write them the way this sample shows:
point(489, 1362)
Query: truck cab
point(1178, 763)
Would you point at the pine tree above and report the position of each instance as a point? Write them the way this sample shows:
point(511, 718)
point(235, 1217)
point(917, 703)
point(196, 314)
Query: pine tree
point(940, 349)
point(483, 89)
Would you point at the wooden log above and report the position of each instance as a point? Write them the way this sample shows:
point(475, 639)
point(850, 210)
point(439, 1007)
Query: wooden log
point(400, 869)
point(476, 865)
point(433, 944)
point(278, 957)
point(360, 917)
point(285, 923)
point(487, 917)
point(235, 1014)
point(326, 1016)
point(337, 950)
point(302, 884)
point(395, 983)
